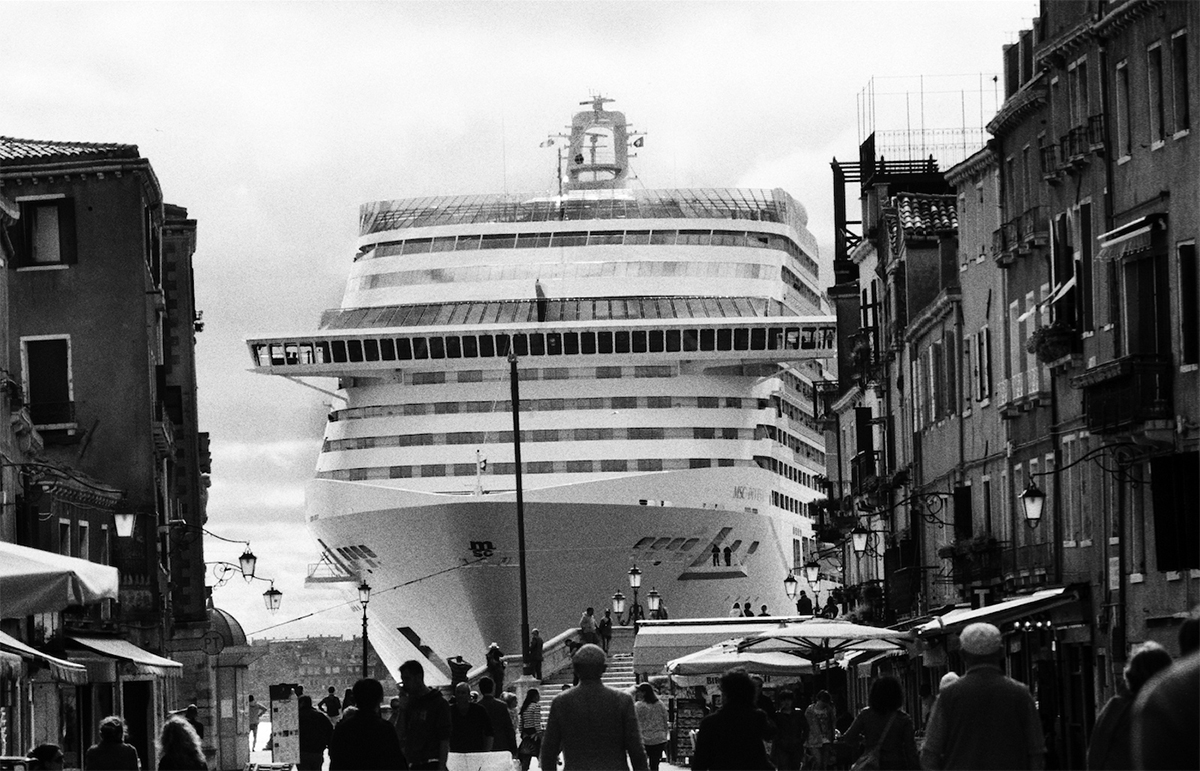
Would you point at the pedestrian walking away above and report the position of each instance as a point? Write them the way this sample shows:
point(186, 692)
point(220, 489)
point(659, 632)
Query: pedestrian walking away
point(504, 737)
point(594, 726)
point(604, 629)
point(495, 665)
point(45, 757)
point(316, 731)
point(365, 741)
point(534, 655)
point(1111, 746)
point(256, 713)
point(804, 606)
point(192, 716)
point(1167, 710)
point(733, 736)
point(984, 719)
point(331, 705)
point(529, 722)
point(653, 723)
point(179, 747)
point(426, 720)
point(886, 730)
point(111, 753)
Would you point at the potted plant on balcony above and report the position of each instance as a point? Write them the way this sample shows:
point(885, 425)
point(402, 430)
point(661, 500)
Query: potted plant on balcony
point(1052, 342)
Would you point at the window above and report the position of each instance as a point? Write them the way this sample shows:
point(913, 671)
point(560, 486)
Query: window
point(983, 353)
point(45, 233)
point(1189, 310)
point(1122, 112)
point(614, 465)
point(83, 551)
point(1154, 83)
point(104, 557)
point(64, 537)
point(1180, 77)
point(47, 365)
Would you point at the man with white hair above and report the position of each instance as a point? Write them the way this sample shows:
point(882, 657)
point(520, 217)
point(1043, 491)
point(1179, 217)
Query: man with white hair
point(983, 720)
point(594, 726)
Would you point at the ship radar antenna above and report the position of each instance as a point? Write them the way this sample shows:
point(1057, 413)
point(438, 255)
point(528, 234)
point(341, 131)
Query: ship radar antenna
point(597, 156)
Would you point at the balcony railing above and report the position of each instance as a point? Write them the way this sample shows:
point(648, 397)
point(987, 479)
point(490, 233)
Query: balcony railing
point(1035, 226)
point(1030, 558)
point(1075, 145)
point(1128, 392)
point(1002, 253)
point(1050, 162)
point(979, 564)
point(864, 472)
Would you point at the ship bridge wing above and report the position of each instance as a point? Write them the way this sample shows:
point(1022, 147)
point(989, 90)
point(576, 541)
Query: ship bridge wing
point(706, 343)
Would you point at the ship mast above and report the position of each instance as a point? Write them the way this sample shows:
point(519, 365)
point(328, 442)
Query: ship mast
point(598, 150)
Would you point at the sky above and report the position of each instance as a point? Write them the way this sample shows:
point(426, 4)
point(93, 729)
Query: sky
point(272, 122)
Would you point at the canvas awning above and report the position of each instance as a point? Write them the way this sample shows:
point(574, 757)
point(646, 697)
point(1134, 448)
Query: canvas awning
point(37, 581)
point(659, 642)
point(706, 667)
point(1129, 240)
point(60, 670)
point(1000, 613)
point(133, 659)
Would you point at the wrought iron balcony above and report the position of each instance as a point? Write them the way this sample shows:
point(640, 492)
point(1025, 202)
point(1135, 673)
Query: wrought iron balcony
point(1125, 393)
point(1095, 134)
point(1075, 146)
point(1051, 162)
point(975, 561)
point(864, 473)
point(1035, 226)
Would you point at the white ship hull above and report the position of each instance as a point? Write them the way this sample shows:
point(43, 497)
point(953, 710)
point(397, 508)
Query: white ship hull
point(446, 566)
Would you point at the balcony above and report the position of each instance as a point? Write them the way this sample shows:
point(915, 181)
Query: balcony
point(1051, 163)
point(1035, 226)
point(1075, 147)
point(1124, 394)
point(864, 473)
point(1002, 253)
point(975, 561)
point(1030, 559)
point(164, 432)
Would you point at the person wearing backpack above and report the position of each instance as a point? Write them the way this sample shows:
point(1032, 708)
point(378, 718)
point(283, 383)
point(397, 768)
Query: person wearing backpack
point(886, 730)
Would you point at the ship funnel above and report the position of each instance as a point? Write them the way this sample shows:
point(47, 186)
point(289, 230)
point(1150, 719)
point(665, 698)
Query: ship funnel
point(598, 154)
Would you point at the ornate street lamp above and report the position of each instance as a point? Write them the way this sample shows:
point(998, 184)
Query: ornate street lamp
point(248, 563)
point(123, 523)
point(1032, 500)
point(618, 604)
point(790, 585)
point(858, 538)
point(364, 596)
point(654, 600)
point(812, 571)
point(272, 598)
point(635, 582)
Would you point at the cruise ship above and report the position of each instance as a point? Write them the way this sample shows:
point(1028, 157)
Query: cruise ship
point(665, 345)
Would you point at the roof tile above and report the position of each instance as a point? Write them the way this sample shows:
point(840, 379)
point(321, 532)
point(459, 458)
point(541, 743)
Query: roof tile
point(922, 214)
point(13, 150)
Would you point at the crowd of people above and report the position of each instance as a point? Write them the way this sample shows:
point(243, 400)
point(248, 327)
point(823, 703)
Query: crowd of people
point(980, 719)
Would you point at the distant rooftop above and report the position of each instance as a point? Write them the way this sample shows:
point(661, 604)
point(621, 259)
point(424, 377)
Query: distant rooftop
point(13, 150)
point(926, 215)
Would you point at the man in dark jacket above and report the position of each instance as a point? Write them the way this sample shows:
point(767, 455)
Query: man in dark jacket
point(315, 733)
point(732, 737)
point(470, 726)
point(365, 741)
point(426, 720)
point(504, 734)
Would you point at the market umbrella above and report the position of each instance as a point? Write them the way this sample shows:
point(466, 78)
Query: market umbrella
point(696, 668)
point(37, 581)
point(819, 639)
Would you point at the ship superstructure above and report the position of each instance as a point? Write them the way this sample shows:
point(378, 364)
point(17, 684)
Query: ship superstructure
point(666, 344)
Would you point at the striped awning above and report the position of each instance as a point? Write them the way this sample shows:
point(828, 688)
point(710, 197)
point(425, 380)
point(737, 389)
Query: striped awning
point(1129, 240)
point(60, 670)
point(132, 659)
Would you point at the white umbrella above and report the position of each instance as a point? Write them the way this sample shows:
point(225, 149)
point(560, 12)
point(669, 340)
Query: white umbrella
point(819, 639)
point(697, 668)
point(37, 581)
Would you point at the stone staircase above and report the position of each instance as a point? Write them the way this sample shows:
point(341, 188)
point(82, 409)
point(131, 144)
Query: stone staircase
point(618, 675)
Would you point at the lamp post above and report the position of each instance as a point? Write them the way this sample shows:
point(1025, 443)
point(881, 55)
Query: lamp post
point(858, 539)
point(272, 597)
point(516, 413)
point(635, 582)
point(364, 596)
point(1032, 501)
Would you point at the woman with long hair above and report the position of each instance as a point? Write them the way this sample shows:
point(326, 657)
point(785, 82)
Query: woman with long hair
point(885, 728)
point(653, 722)
point(1111, 745)
point(529, 721)
point(179, 747)
point(111, 753)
